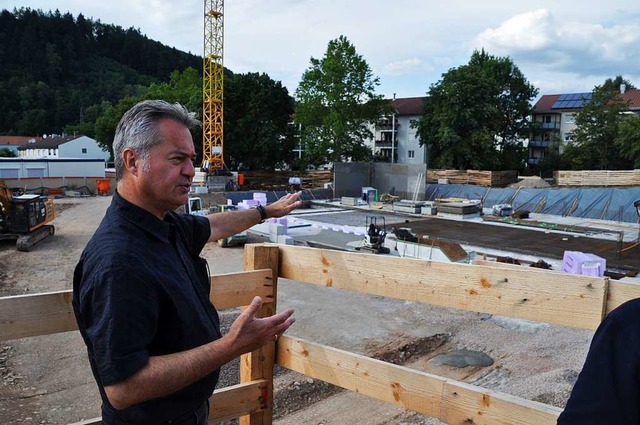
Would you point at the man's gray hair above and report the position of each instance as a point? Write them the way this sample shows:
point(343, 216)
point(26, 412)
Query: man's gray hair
point(138, 128)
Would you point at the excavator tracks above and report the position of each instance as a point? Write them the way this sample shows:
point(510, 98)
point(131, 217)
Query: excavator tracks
point(26, 242)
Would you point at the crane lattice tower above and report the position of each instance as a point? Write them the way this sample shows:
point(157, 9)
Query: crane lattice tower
point(213, 86)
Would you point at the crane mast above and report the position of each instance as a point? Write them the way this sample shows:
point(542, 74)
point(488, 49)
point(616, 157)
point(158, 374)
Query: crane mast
point(212, 86)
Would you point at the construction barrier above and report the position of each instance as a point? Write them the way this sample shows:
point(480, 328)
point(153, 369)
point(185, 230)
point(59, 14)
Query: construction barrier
point(566, 300)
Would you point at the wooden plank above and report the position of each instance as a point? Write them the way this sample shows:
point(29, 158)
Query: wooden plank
point(225, 403)
point(468, 404)
point(451, 401)
point(566, 300)
point(237, 289)
point(258, 364)
point(94, 421)
point(621, 292)
point(237, 400)
point(597, 178)
point(23, 316)
point(399, 385)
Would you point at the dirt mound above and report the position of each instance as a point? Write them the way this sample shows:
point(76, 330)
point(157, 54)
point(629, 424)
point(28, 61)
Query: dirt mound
point(530, 183)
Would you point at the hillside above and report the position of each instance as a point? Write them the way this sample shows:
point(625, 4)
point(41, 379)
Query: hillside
point(58, 69)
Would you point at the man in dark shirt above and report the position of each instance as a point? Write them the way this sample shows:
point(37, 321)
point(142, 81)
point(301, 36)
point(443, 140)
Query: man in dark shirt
point(141, 290)
point(608, 388)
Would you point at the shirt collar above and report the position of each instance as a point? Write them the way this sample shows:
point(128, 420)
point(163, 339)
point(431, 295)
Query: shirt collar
point(161, 229)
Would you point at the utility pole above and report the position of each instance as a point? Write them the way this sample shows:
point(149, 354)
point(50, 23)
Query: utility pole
point(393, 132)
point(300, 140)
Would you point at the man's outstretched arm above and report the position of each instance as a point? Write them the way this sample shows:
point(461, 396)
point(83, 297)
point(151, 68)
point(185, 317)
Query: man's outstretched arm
point(164, 375)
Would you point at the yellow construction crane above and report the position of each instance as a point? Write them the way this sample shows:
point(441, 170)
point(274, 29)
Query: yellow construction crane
point(212, 87)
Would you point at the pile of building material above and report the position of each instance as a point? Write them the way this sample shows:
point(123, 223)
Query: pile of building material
point(475, 177)
point(464, 208)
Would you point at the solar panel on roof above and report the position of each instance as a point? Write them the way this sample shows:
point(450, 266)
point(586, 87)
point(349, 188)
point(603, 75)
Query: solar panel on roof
point(571, 100)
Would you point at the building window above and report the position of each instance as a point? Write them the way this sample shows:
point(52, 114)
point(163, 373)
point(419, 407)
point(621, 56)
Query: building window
point(412, 154)
point(84, 150)
point(569, 119)
point(11, 173)
point(35, 172)
point(568, 137)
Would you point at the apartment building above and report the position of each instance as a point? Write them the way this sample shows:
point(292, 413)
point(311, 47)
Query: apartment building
point(394, 138)
point(555, 114)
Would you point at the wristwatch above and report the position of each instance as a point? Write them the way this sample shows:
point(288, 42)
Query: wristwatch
point(263, 213)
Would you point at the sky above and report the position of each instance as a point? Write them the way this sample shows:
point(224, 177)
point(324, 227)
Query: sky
point(563, 46)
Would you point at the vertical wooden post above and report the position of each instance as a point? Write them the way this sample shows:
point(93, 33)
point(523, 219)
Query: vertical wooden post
point(259, 363)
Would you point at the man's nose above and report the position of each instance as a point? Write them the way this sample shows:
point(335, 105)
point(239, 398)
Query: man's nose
point(190, 169)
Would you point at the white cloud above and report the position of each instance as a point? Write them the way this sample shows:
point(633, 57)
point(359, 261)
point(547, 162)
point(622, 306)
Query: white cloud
point(565, 45)
point(527, 31)
point(406, 66)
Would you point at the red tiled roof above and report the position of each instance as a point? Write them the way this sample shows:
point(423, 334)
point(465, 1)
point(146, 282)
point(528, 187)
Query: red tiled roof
point(48, 143)
point(409, 105)
point(545, 103)
point(17, 140)
point(633, 97)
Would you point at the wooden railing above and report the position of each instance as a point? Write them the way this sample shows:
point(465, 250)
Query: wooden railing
point(539, 295)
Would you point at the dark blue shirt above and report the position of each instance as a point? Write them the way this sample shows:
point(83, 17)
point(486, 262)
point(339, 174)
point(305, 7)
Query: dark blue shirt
point(608, 388)
point(140, 290)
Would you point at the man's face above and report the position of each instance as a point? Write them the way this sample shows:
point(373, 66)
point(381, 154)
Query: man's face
point(165, 178)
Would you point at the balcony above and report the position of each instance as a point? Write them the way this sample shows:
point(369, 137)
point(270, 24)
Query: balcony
point(384, 144)
point(386, 126)
point(551, 125)
point(540, 143)
point(533, 161)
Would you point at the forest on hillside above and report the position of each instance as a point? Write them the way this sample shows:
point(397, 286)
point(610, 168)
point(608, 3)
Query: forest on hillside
point(58, 70)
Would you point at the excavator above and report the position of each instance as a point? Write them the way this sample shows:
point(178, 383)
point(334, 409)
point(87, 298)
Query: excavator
point(376, 234)
point(24, 218)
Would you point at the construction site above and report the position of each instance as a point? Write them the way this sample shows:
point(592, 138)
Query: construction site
point(449, 323)
point(420, 296)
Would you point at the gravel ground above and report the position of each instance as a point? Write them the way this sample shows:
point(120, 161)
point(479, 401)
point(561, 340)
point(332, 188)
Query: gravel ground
point(46, 380)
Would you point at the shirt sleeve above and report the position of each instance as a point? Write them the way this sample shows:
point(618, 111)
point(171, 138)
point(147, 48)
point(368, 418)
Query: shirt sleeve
point(120, 311)
point(196, 230)
point(608, 388)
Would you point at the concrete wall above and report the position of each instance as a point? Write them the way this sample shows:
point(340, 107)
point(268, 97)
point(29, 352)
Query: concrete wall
point(395, 179)
point(69, 183)
point(350, 177)
point(399, 179)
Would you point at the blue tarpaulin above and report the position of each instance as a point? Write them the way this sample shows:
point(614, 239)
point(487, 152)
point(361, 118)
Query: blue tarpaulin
point(615, 204)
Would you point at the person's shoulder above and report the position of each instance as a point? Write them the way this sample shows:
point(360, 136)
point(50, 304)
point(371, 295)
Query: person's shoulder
point(626, 314)
point(113, 243)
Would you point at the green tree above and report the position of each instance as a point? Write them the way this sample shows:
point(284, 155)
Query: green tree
point(597, 127)
point(628, 139)
point(477, 115)
point(257, 111)
point(614, 84)
point(105, 128)
point(7, 153)
point(336, 101)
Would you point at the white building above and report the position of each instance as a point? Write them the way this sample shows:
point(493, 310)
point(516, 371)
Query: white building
point(555, 116)
point(79, 147)
point(394, 138)
point(53, 157)
point(21, 168)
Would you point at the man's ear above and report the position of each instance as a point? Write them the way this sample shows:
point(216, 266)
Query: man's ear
point(131, 161)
